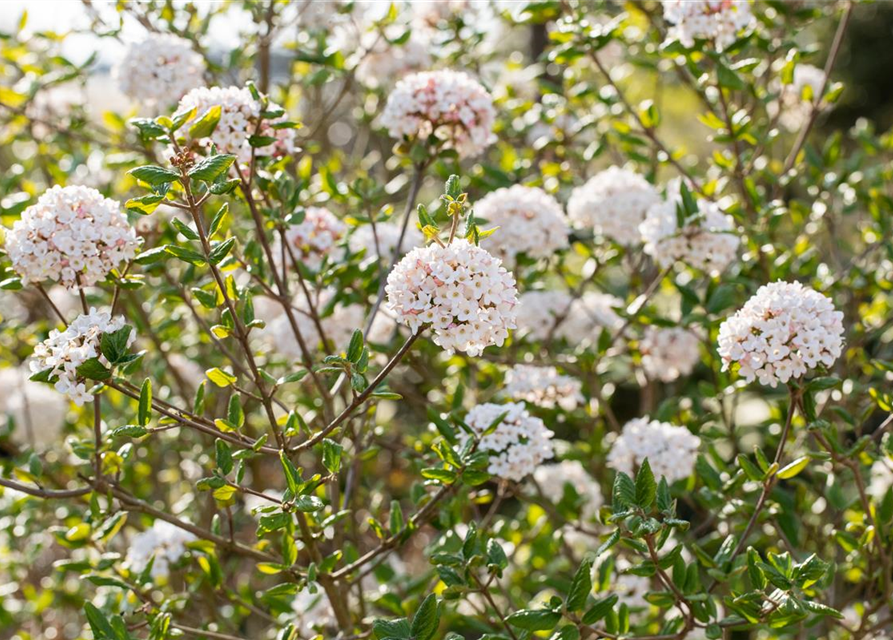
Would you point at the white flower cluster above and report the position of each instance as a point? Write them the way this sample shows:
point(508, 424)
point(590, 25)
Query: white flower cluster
point(543, 387)
point(64, 351)
point(519, 444)
point(385, 63)
point(313, 612)
point(588, 315)
point(388, 234)
point(881, 478)
point(552, 479)
point(671, 450)
point(782, 332)
point(239, 114)
point(160, 69)
point(448, 104)
point(539, 311)
point(36, 411)
point(706, 241)
point(314, 238)
point(460, 289)
point(668, 353)
point(798, 98)
point(716, 20)
point(530, 221)
point(72, 235)
point(613, 203)
point(163, 541)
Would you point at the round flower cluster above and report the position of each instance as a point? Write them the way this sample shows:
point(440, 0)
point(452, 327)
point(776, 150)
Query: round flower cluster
point(36, 412)
point(519, 444)
point(314, 238)
point(540, 311)
point(668, 353)
point(671, 450)
point(613, 203)
point(447, 104)
point(384, 62)
point(543, 387)
point(716, 20)
point(706, 241)
point(783, 331)
point(588, 315)
point(159, 69)
point(552, 479)
point(460, 289)
point(72, 235)
point(387, 235)
point(881, 475)
point(64, 351)
point(164, 542)
point(797, 100)
point(313, 612)
point(239, 114)
point(530, 221)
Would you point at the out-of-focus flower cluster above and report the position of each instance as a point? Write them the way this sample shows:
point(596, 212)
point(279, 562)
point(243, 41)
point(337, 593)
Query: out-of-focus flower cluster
point(462, 291)
point(72, 235)
point(553, 478)
point(64, 351)
point(543, 387)
point(37, 412)
point(517, 446)
point(314, 238)
point(530, 221)
point(163, 544)
point(447, 104)
point(671, 450)
point(161, 68)
point(669, 353)
point(717, 20)
point(782, 332)
point(383, 240)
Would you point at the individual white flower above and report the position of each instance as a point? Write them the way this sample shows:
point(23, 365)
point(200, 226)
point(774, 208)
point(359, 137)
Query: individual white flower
point(384, 62)
point(530, 221)
point(462, 291)
point(519, 444)
point(385, 236)
point(543, 387)
point(613, 203)
point(72, 235)
point(781, 333)
point(798, 98)
point(64, 351)
point(668, 353)
point(718, 20)
point(540, 311)
point(588, 315)
point(239, 115)
point(316, 237)
point(447, 104)
point(552, 479)
point(881, 478)
point(36, 411)
point(159, 69)
point(705, 241)
point(313, 613)
point(671, 450)
point(163, 541)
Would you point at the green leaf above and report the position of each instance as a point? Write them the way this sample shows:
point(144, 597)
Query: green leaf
point(235, 415)
point(534, 619)
point(154, 175)
point(426, 620)
point(581, 586)
point(261, 141)
point(624, 493)
point(187, 255)
point(355, 348)
point(114, 344)
point(292, 477)
point(205, 125)
point(646, 487)
point(721, 298)
point(93, 369)
point(224, 456)
point(144, 205)
point(99, 624)
point(331, 455)
point(308, 504)
point(221, 250)
point(145, 404)
point(220, 377)
point(398, 628)
point(209, 168)
point(129, 431)
point(152, 255)
point(184, 229)
point(218, 219)
point(600, 609)
point(792, 469)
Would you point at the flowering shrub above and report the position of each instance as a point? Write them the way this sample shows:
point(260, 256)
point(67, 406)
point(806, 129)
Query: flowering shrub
point(461, 320)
